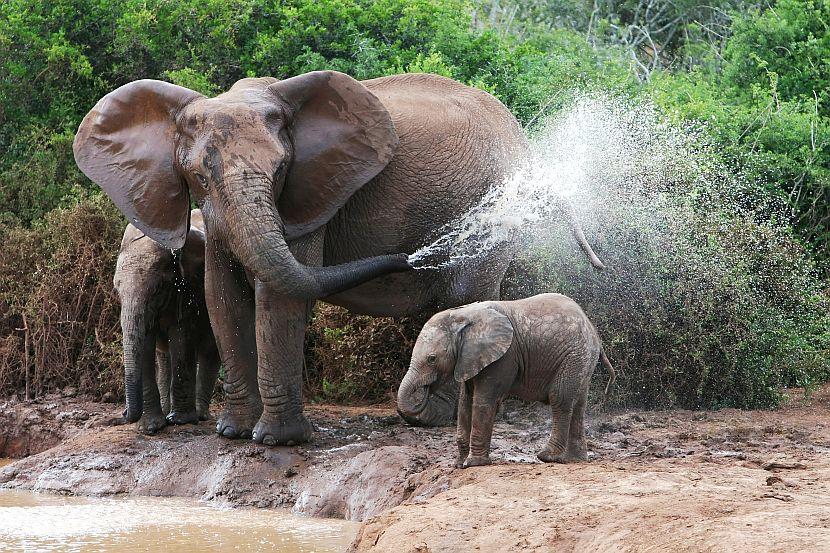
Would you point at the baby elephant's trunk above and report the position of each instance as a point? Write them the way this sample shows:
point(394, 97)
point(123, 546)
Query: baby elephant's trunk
point(613, 374)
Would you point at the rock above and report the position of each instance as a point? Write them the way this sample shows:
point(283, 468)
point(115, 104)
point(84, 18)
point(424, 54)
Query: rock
point(368, 484)
point(109, 397)
point(69, 391)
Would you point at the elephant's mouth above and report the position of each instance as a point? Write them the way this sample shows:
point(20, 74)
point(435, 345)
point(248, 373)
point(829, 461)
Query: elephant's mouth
point(416, 403)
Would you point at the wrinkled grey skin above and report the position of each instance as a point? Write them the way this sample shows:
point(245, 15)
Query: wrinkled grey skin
point(542, 348)
point(313, 187)
point(166, 330)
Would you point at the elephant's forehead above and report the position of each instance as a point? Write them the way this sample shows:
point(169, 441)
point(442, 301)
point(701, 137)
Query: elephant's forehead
point(429, 336)
point(218, 115)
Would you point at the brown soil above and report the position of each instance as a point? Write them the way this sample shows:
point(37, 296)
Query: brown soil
point(656, 481)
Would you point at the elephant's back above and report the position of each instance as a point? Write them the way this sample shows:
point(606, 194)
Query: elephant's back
point(448, 112)
point(560, 316)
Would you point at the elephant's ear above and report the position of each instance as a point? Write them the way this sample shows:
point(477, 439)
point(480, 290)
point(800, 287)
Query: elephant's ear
point(126, 145)
point(484, 336)
point(343, 136)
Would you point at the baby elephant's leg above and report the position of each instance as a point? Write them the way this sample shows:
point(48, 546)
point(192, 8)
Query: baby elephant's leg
point(577, 449)
point(562, 408)
point(464, 427)
point(484, 414)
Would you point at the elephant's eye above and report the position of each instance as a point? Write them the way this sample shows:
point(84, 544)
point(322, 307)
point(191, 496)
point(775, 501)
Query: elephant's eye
point(432, 358)
point(202, 180)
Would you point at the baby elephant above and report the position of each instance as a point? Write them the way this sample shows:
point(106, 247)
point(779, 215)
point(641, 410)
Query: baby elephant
point(542, 348)
point(166, 329)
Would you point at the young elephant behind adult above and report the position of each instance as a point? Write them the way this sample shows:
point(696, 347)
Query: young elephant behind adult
point(166, 329)
point(542, 348)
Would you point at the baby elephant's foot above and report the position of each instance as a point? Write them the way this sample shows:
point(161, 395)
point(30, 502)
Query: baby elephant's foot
point(183, 417)
point(477, 461)
point(548, 456)
point(150, 423)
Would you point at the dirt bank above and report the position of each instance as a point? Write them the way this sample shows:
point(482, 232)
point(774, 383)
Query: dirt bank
point(673, 480)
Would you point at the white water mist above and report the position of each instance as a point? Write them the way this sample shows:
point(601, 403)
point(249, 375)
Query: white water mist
point(593, 145)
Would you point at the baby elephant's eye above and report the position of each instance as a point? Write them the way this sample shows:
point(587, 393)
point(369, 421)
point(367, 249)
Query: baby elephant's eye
point(202, 180)
point(431, 358)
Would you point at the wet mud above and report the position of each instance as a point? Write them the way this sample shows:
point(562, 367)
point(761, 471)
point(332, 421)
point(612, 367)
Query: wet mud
point(676, 480)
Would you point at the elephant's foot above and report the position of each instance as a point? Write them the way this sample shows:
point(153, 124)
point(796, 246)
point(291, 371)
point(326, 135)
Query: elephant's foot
point(235, 426)
point(462, 456)
point(548, 456)
point(183, 417)
point(285, 432)
point(477, 461)
point(150, 423)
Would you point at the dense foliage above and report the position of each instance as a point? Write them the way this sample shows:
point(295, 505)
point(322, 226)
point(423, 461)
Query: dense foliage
point(757, 76)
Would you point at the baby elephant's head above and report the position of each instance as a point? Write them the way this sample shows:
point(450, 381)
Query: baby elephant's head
point(454, 345)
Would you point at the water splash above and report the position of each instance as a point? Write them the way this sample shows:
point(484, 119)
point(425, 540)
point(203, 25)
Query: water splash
point(592, 145)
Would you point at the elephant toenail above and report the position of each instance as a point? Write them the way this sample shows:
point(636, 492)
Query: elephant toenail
point(269, 440)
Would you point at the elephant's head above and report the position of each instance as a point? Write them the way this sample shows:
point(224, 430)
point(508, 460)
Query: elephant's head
point(453, 347)
point(145, 279)
point(267, 161)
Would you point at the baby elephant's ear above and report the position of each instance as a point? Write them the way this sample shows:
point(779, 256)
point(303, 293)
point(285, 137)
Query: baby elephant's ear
point(483, 340)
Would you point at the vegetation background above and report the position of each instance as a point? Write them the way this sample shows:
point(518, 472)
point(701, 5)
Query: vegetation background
point(757, 74)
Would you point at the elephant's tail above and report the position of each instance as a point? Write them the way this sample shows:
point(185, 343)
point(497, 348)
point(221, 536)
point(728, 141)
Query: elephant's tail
point(613, 374)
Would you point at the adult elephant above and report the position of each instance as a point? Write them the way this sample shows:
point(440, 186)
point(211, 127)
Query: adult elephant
point(309, 187)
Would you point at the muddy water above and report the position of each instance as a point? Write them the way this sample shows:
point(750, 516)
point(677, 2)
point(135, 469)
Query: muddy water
point(40, 522)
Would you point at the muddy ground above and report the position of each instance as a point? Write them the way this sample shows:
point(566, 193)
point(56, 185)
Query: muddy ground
point(656, 481)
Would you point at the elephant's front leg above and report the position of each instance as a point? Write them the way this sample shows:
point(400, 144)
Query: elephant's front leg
point(280, 330)
point(465, 414)
point(481, 431)
point(230, 304)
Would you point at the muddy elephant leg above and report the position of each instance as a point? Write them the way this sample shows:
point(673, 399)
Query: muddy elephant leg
point(464, 426)
point(163, 379)
point(152, 419)
point(183, 385)
point(481, 431)
point(577, 449)
point(208, 370)
point(562, 407)
point(281, 326)
point(280, 332)
point(230, 303)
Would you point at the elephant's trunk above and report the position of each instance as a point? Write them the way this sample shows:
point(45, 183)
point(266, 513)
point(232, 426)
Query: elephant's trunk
point(579, 235)
point(413, 393)
point(138, 351)
point(440, 408)
point(256, 236)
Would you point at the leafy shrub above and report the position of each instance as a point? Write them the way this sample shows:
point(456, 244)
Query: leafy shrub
point(353, 358)
point(58, 312)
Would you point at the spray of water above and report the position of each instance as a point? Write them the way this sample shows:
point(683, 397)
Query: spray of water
point(595, 144)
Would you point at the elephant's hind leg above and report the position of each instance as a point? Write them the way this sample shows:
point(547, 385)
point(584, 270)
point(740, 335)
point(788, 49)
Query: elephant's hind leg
point(183, 387)
point(207, 372)
point(577, 449)
point(152, 419)
point(163, 379)
point(562, 408)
